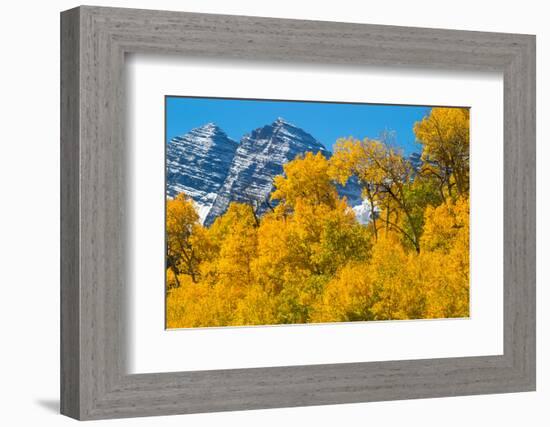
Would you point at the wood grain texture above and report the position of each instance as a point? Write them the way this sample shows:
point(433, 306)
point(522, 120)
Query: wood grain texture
point(94, 382)
point(70, 291)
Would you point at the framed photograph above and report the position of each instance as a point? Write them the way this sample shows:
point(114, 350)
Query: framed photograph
point(261, 213)
point(272, 227)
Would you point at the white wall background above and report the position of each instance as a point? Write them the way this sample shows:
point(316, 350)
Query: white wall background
point(29, 216)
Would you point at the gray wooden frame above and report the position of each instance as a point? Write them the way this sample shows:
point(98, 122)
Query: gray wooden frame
point(94, 382)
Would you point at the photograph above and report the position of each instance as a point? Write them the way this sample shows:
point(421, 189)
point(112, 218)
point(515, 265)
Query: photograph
point(295, 212)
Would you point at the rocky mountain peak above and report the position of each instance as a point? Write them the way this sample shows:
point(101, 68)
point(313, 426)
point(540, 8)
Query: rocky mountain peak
point(214, 170)
point(211, 128)
point(197, 164)
point(279, 121)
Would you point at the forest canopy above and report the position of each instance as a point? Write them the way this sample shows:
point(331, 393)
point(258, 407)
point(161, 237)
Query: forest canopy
point(308, 259)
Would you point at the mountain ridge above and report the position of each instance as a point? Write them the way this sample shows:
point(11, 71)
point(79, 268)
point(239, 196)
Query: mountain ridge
point(215, 170)
point(259, 157)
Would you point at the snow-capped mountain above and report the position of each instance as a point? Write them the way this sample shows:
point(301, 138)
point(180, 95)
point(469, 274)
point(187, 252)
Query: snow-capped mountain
point(214, 170)
point(198, 163)
point(259, 158)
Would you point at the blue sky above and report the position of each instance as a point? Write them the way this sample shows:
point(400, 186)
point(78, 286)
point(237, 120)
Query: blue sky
point(325, 121)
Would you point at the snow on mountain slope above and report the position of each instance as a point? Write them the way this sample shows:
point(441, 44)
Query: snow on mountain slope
point(197, 164)
point(258, 159)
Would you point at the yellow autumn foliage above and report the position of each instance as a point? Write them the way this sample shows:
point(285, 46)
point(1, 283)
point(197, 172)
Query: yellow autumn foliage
point(445, 136)
point(309, 260)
